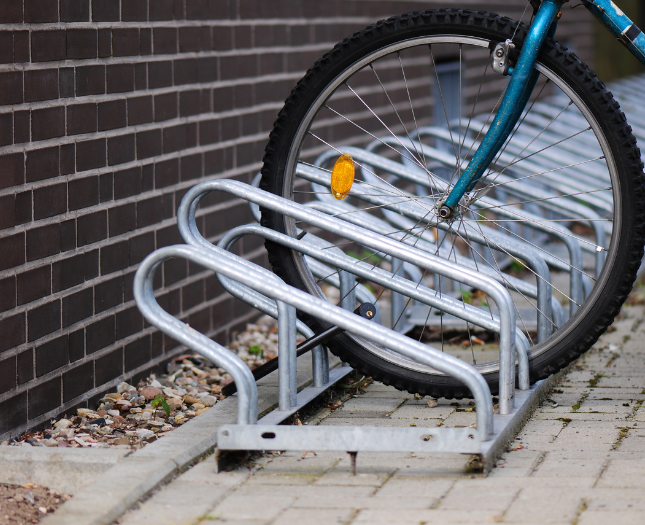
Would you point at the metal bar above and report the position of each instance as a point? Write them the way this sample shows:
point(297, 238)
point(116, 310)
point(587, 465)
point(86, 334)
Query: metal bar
point(285, 394)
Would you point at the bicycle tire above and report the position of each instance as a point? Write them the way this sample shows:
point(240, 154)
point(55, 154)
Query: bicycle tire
point(625, 252)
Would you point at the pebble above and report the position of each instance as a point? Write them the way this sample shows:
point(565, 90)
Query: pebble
point(150, 392)
point(144, 433)
point(126, 416)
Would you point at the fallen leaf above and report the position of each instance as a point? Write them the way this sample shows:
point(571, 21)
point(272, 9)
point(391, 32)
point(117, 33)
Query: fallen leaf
point(432, 403)
point(304, 454)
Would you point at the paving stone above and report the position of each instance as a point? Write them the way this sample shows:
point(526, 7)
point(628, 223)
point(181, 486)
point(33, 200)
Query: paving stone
point(604, 517)
point(252, 507)
point(416, 516)
point(623, 474)
point(461, 419)
point(409, 411)
point(313, 516)
point(546, 505)
point(382, 422)
point(468, 496)
point(557, 467)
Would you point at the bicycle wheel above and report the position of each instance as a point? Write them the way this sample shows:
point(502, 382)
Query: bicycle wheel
point(417, 93)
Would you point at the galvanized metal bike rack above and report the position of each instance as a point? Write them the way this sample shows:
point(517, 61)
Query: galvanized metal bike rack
point(270, 295)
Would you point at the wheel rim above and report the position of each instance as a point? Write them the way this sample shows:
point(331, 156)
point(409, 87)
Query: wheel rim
point(324, 103)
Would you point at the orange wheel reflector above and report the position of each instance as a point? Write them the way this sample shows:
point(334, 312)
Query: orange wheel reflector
point(342, 177)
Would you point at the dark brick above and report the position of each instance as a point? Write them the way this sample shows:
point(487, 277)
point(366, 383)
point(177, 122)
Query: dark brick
point(77, 345)
point(179, 137)
point(112, 115)
point(105, 187)
point(91, 228)
point(99, 334)
point(149, 211)
point(209, 131)
point(222, 38)
point(120, 78)
point(148, 144)
point(157, 344)
point(21, 126)
point(8, 374)
point(48, 45)
point(52, 355)
point(74, 10)
point(13, 410)
point(233, 67)
point(66, 82)
point(90, 154)
point(141, 246)
point(128, 322)
point(174, 270)
point(81, 43)
point(25, 364)
point(50, 201)
point(34, 284)
point(192, 295)
point(134, 10)
point(125, 42)
point(11, 87)
point(169, 205)
point(83, 193)
point(91, 264)
point(120, 149)
point(6, 47)
point(215, 161)
point(43, 320)
point(189, 103)
point(139, 110)
point(108, 295)
point(122, 219)
point(170, 302)
point(207, 69)
point(77, 307)
point(166, 173)
point(145, 41)
point(68, 272)
point(190, 40)
point(191, 167)
point(41, 11)
point(20, 46)
point(147, 177)
point(41, 84)
point(90, 80)
point(105, 10)
point(137, 353)
point(127, 183)
point(68, 235)
point(186, 71)
point(168, 236)
point(13, 331)
point(162, 10)
point(77, 381)
point(43, 164)
point(67, 159)
point(43, 242)
point(12, 167)
point(165, 106)
point(128, 280)
point(109, 367)
point(7, 211)
point(164, 40)
point(7, 293)
point(105, 43)
point(6, 129)
point(44, 397)
point(114, 258)
point(81, 118)
point(159, 74)
point(11, 13)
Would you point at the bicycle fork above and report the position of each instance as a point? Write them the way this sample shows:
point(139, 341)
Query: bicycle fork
point(523, 80)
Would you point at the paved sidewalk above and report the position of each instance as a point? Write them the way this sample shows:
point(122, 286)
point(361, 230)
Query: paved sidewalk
point(580, 460)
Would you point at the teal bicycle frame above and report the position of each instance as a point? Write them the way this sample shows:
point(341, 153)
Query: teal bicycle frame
point(523, 80)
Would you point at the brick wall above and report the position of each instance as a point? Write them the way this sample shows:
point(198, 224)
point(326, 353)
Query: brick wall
point(109, 111)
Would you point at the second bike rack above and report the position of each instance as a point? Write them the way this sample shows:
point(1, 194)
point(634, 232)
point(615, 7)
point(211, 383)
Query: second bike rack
point(271, 295)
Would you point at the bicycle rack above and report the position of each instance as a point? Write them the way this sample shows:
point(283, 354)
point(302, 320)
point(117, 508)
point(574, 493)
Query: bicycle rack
point(269, 294)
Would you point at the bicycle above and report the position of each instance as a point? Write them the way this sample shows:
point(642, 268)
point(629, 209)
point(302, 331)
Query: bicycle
point(535, 161)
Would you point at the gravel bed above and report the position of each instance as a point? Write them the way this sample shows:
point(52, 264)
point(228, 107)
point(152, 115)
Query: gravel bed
point(132, 416)
point(21, 504)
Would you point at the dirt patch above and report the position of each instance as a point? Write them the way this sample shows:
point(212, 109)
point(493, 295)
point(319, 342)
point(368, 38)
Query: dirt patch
point(20, 505)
